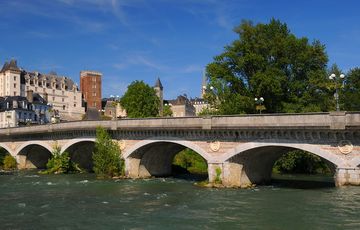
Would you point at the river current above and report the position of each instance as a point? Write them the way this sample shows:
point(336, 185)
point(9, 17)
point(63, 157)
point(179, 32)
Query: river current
point(32, 201)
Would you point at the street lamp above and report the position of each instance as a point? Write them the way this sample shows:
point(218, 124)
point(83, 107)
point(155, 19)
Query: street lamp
point(259, 104)
point(336, 94)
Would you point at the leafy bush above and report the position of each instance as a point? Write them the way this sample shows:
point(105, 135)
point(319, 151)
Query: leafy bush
point(9, 162)
point(298, 161)
point(60, 163)
point(3, 153)
point(191, 161)
point(218, 176)
point(107, 156)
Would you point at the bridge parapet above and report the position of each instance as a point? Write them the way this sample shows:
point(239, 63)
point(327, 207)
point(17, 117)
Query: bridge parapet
point(330, 121)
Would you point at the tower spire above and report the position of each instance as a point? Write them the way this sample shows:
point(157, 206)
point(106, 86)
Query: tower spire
point(203, 84)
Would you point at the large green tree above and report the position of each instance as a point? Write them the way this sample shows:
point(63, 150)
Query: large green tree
point(140, 100)
point(107, 156)
point(350, 98)
point(268, 61)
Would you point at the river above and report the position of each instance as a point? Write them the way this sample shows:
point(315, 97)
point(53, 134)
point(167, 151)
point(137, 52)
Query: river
point(79, 201)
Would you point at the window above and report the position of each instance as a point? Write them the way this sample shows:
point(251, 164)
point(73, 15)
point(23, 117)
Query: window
point(94, 94)
point(53, 91)
point(62, 99)
point(35, 89)
point(63, 107)
point(53, 98)
point(94, 103)
point(74, 105)
point(14, 93)
point(14, 85)
point(74, 97)
point(14, 78)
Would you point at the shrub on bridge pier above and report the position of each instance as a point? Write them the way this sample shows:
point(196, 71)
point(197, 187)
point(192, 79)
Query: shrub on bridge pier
point(107, 156)
point(7, 162)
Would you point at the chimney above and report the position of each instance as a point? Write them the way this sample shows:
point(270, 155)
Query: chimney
point(30, 96)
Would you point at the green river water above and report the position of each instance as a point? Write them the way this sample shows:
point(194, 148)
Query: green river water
point(31, 201)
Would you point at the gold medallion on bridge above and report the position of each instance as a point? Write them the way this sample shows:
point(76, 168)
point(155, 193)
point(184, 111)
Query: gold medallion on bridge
point(214, 146)
point(13, 146)
point(345, 147)
point(122, 144)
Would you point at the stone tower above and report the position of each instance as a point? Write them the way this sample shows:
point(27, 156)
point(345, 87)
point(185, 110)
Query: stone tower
point(203, 84)
point(90, 85)
point(159, 92)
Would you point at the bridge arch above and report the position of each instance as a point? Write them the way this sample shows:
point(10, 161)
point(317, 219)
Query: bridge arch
point(187, 144)
point(80, 151)
point(28, 143)
point(4, 146)
point(33, 154)
point(252, 162)
point(153, 157)
point(339, 162)
point(75, 141)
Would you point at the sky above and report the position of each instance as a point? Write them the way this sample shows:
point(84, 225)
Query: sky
point(174, 40)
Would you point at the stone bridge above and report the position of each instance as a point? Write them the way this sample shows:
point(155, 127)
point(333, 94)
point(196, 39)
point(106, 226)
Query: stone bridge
point(240, 150)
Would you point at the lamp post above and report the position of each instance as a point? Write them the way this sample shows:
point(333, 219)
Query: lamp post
point(259, 104)
point(336, 94)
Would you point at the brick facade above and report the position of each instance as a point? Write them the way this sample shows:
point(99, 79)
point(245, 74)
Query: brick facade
point(90, 85)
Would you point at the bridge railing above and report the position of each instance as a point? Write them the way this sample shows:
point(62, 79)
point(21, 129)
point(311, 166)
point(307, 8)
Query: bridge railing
point(335, 120)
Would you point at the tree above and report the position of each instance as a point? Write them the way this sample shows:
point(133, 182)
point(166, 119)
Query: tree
point(60, 163)
point(268, 61)
point(107, 156)
point(140, 100)
point(167, 112)
point(9, 162)
point(351, 96)
point(190, 161)
point(298, 161)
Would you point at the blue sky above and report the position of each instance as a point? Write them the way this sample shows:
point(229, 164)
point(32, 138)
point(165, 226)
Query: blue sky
point(131, 40)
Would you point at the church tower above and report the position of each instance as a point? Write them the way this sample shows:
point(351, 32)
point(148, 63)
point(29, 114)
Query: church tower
point(203, 85)
point(159, 92)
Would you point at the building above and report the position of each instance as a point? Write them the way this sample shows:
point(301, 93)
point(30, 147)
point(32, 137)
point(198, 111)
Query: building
point(17, 110)
point(199, 104)
point(90, 86)
point(181, 107)
point(113, 109)
point(60, 91)
point(160, 93)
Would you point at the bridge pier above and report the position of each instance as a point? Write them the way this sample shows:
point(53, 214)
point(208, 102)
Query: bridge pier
point(228, 174)
point(347, 176)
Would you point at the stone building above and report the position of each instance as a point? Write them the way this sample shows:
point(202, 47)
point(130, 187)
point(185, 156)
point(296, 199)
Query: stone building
point(199, 104)
point(160, 93)
point(60, 91)
point(181, 107)
point(17, 110)
point(90, 86)
point(113, 109)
